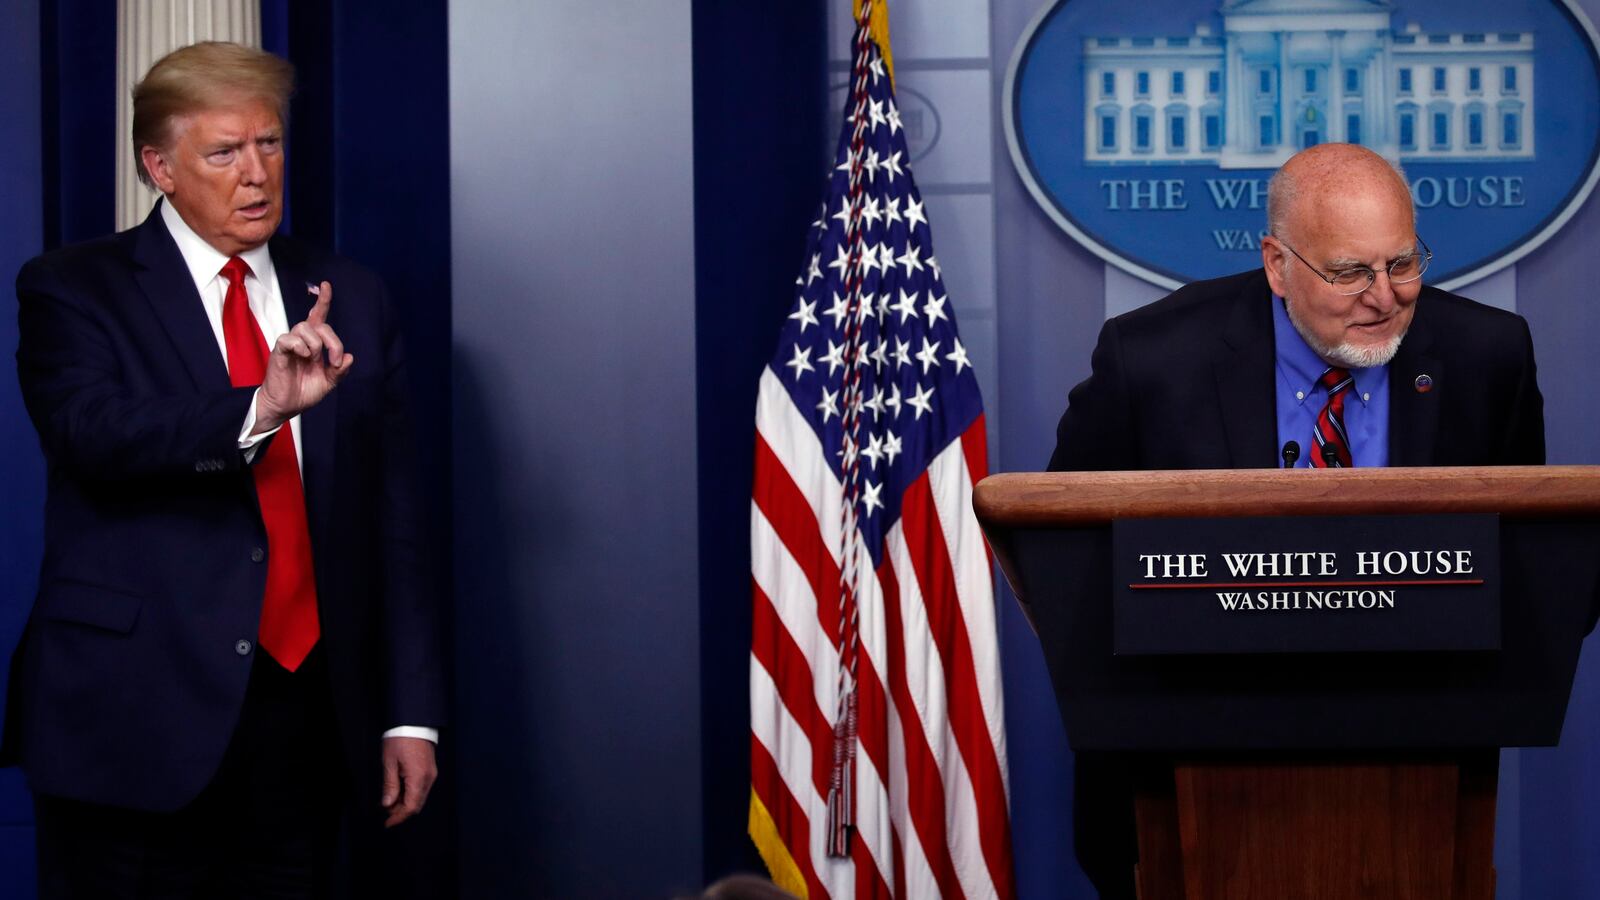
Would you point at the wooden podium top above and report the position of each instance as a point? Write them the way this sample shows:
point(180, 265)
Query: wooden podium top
point(1060, 499)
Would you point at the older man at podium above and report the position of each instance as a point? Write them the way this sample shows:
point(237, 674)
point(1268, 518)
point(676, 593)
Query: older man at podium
point(1332, 354)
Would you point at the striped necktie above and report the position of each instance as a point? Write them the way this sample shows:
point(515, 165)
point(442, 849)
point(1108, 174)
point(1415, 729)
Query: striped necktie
point(1333, 444)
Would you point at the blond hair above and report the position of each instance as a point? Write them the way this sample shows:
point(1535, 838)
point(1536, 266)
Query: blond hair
point(199, 77)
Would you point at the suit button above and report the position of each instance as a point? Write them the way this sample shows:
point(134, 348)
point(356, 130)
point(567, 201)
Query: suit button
point(257, 554)
point(242, 647)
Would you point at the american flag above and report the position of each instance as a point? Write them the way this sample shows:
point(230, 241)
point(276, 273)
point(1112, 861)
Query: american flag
point(878, 763)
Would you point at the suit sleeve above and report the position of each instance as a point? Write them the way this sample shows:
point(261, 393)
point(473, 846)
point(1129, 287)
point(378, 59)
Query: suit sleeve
point(1096, 431)
point(88, 418)
point(412, 619)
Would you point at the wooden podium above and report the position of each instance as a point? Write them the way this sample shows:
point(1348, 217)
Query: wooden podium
point(1308, 775)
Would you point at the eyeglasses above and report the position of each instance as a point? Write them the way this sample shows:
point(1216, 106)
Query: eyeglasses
point(1354, 280)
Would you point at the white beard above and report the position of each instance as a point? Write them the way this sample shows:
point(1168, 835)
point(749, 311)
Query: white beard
point(1345, 353)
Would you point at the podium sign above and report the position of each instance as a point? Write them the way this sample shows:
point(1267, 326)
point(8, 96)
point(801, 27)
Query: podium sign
point(1306, 584)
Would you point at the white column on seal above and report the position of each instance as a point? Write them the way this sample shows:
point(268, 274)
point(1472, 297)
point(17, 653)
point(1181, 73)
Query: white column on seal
point(1286, 121)
point(1336, 88)
point(1238, 114)
point(146, 31)
point(1376, 107)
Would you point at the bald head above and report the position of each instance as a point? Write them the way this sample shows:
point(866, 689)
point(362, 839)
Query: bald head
point(1340, 216)
point(1318, 177)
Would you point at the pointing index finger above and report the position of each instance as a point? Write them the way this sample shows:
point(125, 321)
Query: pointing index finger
point(319, 311)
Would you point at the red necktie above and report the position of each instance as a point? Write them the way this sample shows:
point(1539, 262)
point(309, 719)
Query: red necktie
point(1333, 445)
point(289, 627)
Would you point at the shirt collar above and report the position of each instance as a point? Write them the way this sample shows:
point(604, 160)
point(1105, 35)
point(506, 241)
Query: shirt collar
point(205, 261)
point(1301, 365)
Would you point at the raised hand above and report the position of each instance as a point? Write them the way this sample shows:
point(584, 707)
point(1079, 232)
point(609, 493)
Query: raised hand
point(306, 363)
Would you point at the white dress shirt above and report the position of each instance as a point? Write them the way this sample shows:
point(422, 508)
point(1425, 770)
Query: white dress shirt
point(205, 264)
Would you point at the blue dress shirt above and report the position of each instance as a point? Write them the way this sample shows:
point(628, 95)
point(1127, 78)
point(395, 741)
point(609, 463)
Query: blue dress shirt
point(1300, 398)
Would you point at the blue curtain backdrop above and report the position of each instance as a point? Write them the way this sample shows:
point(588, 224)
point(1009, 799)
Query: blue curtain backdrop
point(757, 137)
point(21, 237)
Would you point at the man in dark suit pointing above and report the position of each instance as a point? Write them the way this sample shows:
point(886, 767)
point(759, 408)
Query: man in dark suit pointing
point(233, 639)
point(1334, 345)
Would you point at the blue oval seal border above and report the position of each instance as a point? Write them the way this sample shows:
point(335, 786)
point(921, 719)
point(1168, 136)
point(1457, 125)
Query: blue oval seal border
point(1178, 117)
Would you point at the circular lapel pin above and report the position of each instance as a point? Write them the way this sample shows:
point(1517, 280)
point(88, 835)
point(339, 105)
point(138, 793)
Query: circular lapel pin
point(1424, 383)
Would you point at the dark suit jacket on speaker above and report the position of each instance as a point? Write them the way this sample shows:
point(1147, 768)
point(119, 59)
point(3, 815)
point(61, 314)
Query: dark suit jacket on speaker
point(1188, 383)
point(132, 670)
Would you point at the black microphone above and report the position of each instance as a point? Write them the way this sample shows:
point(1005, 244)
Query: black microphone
point(1330, 456)
point(1291, 452)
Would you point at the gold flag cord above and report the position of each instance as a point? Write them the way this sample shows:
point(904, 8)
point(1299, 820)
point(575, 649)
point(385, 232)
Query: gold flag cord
point(880, 31)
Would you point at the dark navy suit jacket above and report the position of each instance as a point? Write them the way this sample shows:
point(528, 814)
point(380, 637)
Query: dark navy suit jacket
point(1187, 383)
point(132, 670)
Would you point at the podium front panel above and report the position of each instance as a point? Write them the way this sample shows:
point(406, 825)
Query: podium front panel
point(1514, 696)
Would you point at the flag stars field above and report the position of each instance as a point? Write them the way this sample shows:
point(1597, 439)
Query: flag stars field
point(907, 307)
point(829, 404)
point(806, 311)
point(928, 355)
point(958, 356)
point(834, 357)
point(914, 214)
point(801, 361)
point(814, 270)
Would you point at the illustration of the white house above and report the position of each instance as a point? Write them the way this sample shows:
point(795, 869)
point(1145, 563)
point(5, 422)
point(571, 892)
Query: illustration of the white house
point(1287, 74)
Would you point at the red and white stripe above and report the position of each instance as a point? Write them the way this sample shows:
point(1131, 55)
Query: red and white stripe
point(930, 780)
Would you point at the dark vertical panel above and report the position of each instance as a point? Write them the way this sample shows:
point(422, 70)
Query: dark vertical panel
point(309, 42)
point(22, 493)
point(275, 27)
point(79, 54)
point(392, 145)
point(49, 140)
point(759, 121)
point(370, 120)
point(390, 133)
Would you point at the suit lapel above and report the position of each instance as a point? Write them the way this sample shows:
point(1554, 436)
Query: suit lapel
point(317, 424)
point(1414, 414)
point(1244, 377)
point(164, 278)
